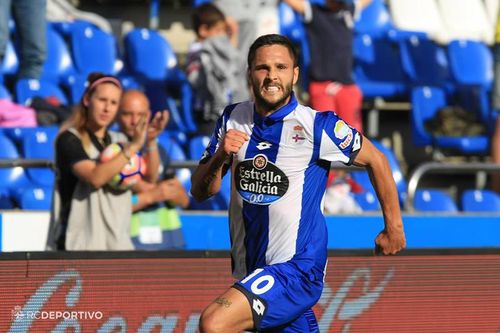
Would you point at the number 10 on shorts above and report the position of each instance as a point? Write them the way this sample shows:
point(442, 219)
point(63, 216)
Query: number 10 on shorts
point(261, 284)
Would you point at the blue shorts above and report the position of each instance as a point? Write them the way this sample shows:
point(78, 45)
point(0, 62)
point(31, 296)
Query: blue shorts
point(281, 297)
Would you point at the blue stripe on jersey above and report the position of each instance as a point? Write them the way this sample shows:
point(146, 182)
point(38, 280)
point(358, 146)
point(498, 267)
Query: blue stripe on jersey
point(220, 125)
point(315, 179)
point(256, 217)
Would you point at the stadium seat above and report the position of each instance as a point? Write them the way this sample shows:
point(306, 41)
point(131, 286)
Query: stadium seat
point(377, 67)
point(367, 201)
point(471, 63)
point(10, 63)
point(469, 20)
point(176, 153)
point(58, 65)
point(419, 16)
point(35, 198)
point(426, 102)
point(4, 93)
point(480, 201)
point(5, 200)
point(152, 61)
point(93, 50)
point(197, 146)
point(431, 200)
point(26, 89)
point(425, 62)
point(15, 178)
point(374, 20)
point(38, 143)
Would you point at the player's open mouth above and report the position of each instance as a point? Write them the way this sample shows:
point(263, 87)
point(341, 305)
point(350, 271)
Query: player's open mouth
point(271, 89)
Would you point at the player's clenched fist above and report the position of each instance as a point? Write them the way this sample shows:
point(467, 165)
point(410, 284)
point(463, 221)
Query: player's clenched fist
point(233, 141)
point(388, 243)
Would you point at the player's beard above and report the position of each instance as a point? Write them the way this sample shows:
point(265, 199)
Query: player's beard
point(267, 105)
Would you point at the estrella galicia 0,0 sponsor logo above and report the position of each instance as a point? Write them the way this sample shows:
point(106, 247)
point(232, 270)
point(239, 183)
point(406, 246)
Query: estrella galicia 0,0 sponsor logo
point(259, 181)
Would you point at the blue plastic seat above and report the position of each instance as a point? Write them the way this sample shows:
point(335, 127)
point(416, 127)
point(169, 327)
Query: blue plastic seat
point(10, 63)
point(377, 67)
point(4, 93)
point(152, 61)
point(480, 201)
point(197, 146)
point(374, 20)
point(5, 199)
point(426, 102)
point(11, 179)
point(431, 200)
point(471, 63)
point(36, 198)
point(38, 143)
point(367, 201)
point(425, 62)
point(58, 65)
point(26, 89)
point(93, 50)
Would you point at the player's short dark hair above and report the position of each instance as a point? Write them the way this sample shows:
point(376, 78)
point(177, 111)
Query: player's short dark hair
point(272, 39)
point(207, 14)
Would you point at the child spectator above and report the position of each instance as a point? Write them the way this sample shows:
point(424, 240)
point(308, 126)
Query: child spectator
point(330, 33)
point(212, 67)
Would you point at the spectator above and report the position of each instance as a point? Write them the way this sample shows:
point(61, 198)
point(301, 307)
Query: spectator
point(243, 18)
point(330, 33)
point(29, 16)
point(212, 67)
point(64, 11)
point(87, 214)
point(155, 222)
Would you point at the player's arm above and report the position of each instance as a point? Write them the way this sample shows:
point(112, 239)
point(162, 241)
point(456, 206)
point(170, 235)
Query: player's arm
point(99, 174)
point(392, 239)
point(152, 157)
point(206, 179)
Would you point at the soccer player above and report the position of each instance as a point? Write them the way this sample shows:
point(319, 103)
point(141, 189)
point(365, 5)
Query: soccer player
point(279, 153)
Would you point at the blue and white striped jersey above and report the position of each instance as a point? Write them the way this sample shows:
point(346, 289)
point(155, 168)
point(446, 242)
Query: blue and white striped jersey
point(278, 183)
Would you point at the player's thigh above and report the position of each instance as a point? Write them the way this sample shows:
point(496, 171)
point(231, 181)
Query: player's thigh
point(229, 312)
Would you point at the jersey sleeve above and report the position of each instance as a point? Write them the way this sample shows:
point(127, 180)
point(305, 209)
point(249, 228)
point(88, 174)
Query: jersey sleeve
point(338, 142)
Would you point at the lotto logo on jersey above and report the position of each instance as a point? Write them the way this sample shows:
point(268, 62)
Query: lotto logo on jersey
point(259, 181)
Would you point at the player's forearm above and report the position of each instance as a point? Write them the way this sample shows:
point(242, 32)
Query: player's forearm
point(206, 179)
point(152, 158)
point(385, 187)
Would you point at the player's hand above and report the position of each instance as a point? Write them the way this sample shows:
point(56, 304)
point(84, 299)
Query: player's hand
point(157, 125)
point(233, 141)
point(389, 243)
point(140, 131)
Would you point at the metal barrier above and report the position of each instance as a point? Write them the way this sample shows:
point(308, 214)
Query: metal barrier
point(444, 168)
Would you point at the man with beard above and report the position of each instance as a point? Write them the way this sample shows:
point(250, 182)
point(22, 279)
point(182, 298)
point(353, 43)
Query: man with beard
point(280, 153)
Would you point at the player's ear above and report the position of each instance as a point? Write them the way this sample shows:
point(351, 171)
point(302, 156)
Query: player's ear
point(295, 74)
